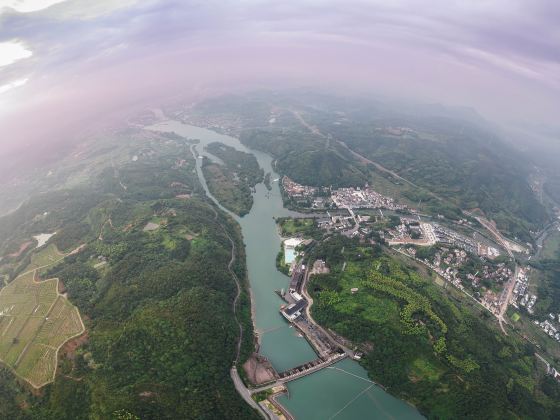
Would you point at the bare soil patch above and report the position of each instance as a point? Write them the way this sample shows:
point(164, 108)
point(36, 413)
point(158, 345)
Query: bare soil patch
point(259, 370)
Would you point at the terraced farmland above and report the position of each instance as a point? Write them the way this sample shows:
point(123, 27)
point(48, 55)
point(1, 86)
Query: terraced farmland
point(35, 321)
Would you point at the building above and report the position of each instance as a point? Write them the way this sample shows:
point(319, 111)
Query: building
point(293, 311)
point(290, 246)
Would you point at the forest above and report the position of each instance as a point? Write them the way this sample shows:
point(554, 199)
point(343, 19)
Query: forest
point(232, 181)
point(424, 342)
point(455, 160)
point(468, 167)
point(157, 303)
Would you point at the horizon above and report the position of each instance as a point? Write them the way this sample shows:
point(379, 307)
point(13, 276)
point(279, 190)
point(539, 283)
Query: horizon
point(65, 63)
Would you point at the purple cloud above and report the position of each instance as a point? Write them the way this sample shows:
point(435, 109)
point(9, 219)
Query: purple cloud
point(499, 56)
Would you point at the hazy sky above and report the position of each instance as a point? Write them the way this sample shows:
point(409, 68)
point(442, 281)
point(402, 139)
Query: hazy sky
point(65, 61)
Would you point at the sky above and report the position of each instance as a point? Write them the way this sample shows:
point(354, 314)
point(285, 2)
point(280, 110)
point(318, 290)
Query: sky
point(67, 63)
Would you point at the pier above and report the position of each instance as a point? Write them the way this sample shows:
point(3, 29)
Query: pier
point(297, 313)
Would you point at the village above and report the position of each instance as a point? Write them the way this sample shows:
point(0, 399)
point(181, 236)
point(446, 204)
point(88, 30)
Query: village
point(463, 261)
point(521, 296)
point(473, 263)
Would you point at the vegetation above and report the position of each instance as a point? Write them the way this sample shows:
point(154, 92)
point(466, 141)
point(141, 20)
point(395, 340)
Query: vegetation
point(551, 245)
point(232, 182)
point(548, 276)
point(454, 159)
point(303, 157)
point(280, 264)
point(552, 186)
point(321, 168)
point(267, 182)
point(263, 395)
point(466, 166)
point(305, 228)
point(422, 341)
point(35, 322)
point(161, 333)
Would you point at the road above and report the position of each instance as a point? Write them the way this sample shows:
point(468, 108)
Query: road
point(508, 293)
point(315, 130)
point(356, 223)
point(310, 318)
point(508, 289)
point(242, 390)
point(245, 393)
point(360, 157)
point(543, 235)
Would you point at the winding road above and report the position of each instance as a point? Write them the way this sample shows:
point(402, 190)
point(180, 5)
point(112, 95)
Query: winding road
point(234, 374)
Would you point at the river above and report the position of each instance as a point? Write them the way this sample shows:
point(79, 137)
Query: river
point(342, 391)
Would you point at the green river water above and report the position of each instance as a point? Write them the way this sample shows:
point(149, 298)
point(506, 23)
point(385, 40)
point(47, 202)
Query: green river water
point(342, 391)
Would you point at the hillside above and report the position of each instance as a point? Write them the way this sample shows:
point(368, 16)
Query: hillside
point(426, 343)
point(450, 155)
point(153, 286)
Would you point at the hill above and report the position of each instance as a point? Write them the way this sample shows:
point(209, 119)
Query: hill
point(427, 343)
point(450, 155)
point(152, 284)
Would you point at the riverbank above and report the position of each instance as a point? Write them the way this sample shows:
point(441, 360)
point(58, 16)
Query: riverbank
point(319, 395)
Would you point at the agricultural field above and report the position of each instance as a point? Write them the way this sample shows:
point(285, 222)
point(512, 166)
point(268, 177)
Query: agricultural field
point(45, 257)
point(35, 321)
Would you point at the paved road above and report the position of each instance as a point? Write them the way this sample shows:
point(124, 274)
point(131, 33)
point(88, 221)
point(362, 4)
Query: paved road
point(245, 393)
point(308, 312)
point(238, 383)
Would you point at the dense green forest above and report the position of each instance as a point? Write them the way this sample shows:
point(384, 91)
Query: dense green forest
point(466, 166)
point(304, 158)
point(426, 343)
point(232, 182)
point(548, 286)
point(153, 287)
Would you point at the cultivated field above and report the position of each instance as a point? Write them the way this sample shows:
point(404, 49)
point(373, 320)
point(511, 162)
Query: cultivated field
point(35, 321)
point(45, 257)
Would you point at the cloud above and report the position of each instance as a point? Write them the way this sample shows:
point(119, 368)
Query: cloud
point(27, 6)
point(10, 52)
point(12, 85)
point(500, 56)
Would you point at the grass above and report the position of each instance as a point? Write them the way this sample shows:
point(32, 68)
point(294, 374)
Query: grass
point(551, 246)
point(293, 226)
point(515, 317)
point(46, 256)
point(423, 369)
point(439, 281)
point(35, 322)
point(370, 307)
